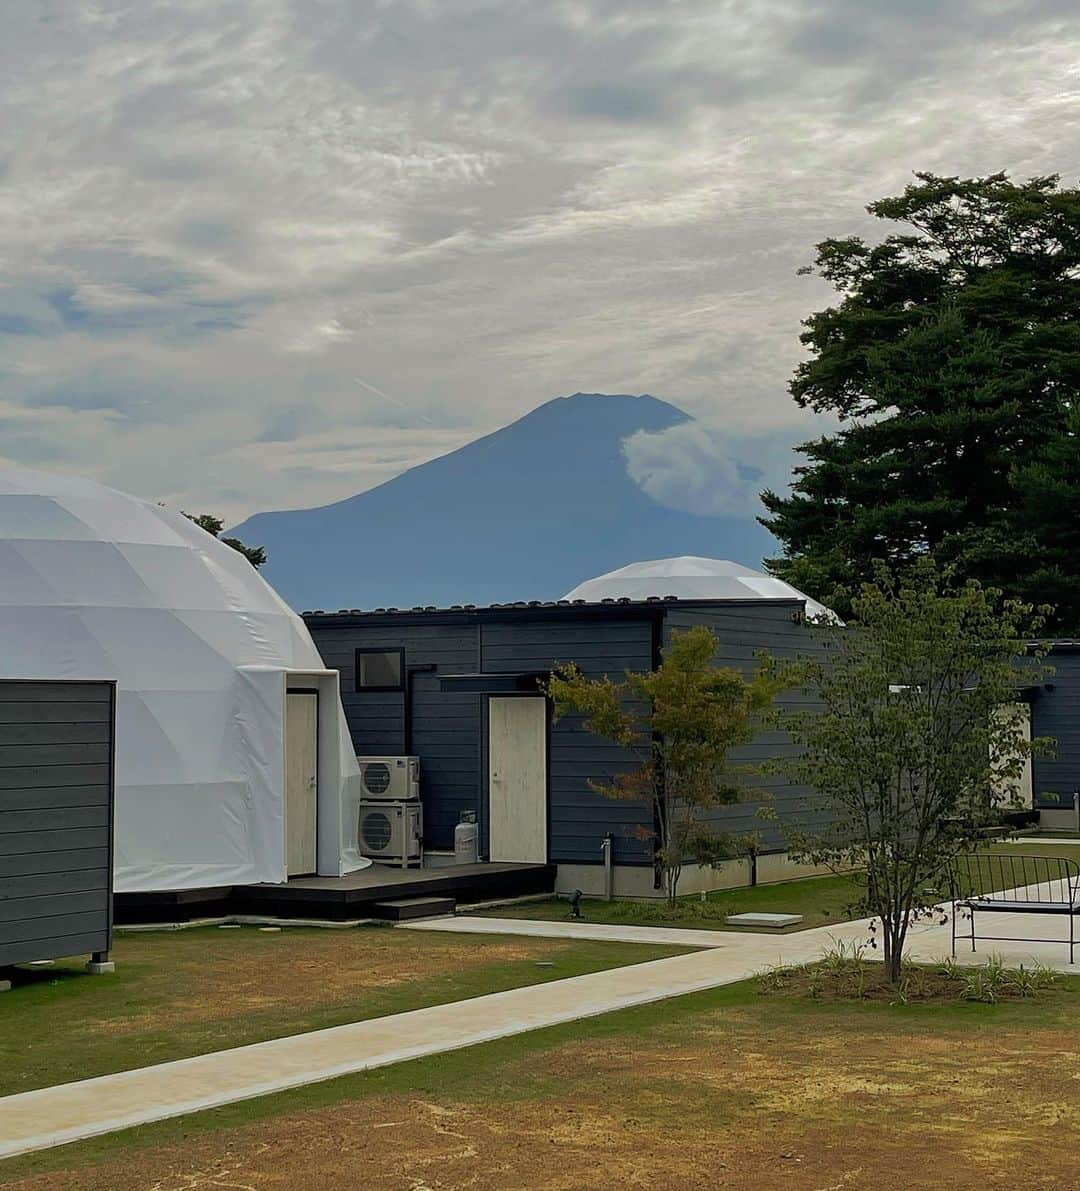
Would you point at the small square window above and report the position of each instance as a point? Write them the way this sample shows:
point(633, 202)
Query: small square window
point(379, 669)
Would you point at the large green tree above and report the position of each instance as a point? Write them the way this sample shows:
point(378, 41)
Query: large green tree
point(952, 365)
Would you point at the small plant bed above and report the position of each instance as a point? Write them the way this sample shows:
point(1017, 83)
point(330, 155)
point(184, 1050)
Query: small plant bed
point(846, 974)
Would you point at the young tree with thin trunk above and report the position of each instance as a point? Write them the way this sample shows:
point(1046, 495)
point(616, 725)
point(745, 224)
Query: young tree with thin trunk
point(914, 740)
point(679, 721)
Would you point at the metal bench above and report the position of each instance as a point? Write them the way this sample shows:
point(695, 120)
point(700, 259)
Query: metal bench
point(1001, 884)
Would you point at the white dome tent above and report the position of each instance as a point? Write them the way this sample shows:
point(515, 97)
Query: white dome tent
point(95, 584)
point(691, 578)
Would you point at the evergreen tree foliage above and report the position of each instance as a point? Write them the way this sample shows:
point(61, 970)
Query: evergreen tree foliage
point(952, 364)
point(256, 555)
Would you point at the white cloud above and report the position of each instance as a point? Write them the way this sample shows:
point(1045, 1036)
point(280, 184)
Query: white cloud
point(688, 468)
point(214, 217)
point(705, 469)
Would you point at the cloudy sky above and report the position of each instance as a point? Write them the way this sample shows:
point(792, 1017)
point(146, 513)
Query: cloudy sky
point(267, 253)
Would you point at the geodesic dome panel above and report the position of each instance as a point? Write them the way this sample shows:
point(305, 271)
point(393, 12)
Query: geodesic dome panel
point(98, 584)
point(690, 578)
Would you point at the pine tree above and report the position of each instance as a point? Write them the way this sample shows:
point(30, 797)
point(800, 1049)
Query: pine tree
point(952, 364)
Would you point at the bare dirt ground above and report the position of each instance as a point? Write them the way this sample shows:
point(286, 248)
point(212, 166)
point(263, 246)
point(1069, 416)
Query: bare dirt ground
point(747, 1096)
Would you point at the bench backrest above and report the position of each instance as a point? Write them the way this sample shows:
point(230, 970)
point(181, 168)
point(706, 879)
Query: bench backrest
point(1004, 877)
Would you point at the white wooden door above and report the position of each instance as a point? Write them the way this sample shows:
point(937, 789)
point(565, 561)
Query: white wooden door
point(517, 779)
point(301, 780)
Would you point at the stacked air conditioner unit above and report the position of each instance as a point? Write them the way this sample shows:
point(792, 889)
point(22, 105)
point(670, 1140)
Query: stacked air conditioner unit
point(391, 823)
point(394, 778)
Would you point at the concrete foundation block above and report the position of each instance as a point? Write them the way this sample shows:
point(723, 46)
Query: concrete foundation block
point(100, 968)
point(5, 986)
point(771, 921)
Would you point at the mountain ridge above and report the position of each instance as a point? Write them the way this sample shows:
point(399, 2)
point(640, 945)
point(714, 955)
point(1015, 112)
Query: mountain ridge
point(525, 512)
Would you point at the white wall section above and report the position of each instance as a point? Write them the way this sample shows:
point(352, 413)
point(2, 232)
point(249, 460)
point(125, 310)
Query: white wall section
point(95, 584)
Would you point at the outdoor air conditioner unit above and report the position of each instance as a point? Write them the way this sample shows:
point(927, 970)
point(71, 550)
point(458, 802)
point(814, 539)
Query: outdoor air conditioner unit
point(396, 779)
point(391, 831)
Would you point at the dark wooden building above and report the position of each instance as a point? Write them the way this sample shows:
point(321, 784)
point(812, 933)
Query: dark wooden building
point(1055, 712)
point(458, 687)
point(56, 817)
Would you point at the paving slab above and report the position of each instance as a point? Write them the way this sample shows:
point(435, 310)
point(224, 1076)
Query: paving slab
point(755, 918)
point(601, 932)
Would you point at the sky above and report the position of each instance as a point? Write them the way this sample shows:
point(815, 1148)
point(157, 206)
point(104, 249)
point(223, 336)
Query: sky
point(262, 254)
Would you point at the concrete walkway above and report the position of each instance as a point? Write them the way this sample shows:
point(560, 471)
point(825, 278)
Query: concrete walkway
point(74, 1111)
point(663, 936)
point(927, 941)
point(1022, 839)
point(71, 1112)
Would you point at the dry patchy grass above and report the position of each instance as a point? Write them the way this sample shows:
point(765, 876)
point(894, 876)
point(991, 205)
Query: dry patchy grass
point(753, 1092)
point(176, 994)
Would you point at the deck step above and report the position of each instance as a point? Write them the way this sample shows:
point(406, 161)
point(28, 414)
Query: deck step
point(406, 909)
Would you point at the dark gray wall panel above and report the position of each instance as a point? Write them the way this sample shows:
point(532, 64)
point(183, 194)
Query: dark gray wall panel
point(579, 818)
point(449, 730)
point(52, 905)
point(445, 726)
point(51, 926)
point(55, 819)
point(55, 691)
point(94, 859)
point(26, 950)
point(64, 881)
point(54, 711)
point(30, 798)
point(47, 732)
point(21, 777)
point(22, 843)
point(744, 633)
point(1056, 713)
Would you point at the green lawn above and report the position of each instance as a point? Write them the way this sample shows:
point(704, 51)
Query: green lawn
point(822, 901)
point(724, 1088)
point(182, 993)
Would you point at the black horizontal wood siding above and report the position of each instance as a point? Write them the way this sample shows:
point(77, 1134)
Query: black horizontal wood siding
point(446, 731)
point(745, 632)
point(56, 807)
point(1055, 712)
point(449, 730)
point(578, 817)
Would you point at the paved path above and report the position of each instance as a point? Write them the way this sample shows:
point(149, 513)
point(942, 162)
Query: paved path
point(71, 1112)
point(926, 942)
point(598, 931)
point(1028, 839)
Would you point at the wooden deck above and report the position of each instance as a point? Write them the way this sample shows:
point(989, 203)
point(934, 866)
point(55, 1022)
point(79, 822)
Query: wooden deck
point(340, 898)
